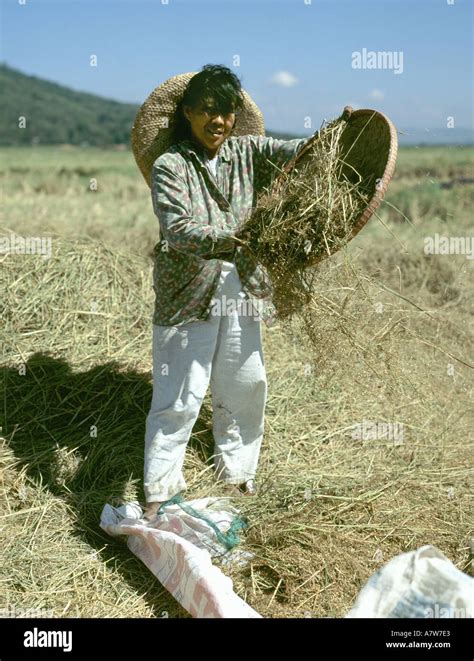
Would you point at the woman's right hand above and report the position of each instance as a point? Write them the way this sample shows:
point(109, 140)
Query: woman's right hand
point(243, 235)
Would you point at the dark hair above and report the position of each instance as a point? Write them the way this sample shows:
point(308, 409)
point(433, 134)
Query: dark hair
point(214, 84)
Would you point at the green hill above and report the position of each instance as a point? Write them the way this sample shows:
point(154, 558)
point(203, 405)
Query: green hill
point(56, 114)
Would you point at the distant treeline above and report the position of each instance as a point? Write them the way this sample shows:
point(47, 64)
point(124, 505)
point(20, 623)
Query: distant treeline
point(55, 114)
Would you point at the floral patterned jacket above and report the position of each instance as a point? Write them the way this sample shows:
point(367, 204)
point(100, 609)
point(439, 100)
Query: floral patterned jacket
point(198, 215)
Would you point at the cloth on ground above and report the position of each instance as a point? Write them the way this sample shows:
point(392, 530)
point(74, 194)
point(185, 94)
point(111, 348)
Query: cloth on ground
point(178, 548)
point(421, 583)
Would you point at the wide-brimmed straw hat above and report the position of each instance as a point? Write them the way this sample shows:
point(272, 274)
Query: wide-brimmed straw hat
point(152, 131)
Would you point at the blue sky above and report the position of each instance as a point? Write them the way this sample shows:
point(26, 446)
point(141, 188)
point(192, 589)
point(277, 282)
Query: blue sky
point(295, 56)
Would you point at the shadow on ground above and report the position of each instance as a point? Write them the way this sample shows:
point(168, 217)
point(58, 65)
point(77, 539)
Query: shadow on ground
point(81, 435)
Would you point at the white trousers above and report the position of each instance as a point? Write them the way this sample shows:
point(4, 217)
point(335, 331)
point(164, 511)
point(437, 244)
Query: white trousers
point(225, 352)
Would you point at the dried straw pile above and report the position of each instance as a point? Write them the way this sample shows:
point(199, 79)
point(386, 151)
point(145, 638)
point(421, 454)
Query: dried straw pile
point(390, 344)
point(73, 420)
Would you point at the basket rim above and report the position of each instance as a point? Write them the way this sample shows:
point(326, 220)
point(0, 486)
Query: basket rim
point(349, 114)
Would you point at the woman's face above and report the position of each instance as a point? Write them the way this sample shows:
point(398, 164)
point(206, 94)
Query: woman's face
point(209, 126)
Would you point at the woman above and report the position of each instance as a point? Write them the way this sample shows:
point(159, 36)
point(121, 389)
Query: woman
point(203, 188)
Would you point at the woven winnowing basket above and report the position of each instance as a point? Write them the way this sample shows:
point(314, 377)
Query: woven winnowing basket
point(369, 147)
point(152, 129)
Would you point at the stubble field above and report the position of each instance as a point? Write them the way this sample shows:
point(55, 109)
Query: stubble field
point(369, 426)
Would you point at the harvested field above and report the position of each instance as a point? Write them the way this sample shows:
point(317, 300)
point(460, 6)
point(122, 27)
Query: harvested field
point(368, 445)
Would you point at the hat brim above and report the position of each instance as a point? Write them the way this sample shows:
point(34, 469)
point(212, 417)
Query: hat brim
point(152, 131)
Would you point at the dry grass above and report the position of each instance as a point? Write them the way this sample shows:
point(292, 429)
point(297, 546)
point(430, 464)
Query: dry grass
point(390, 343)
point(342, 505)
point(306, 215)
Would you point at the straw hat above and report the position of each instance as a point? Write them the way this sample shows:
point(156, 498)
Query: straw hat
point(152, 129)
